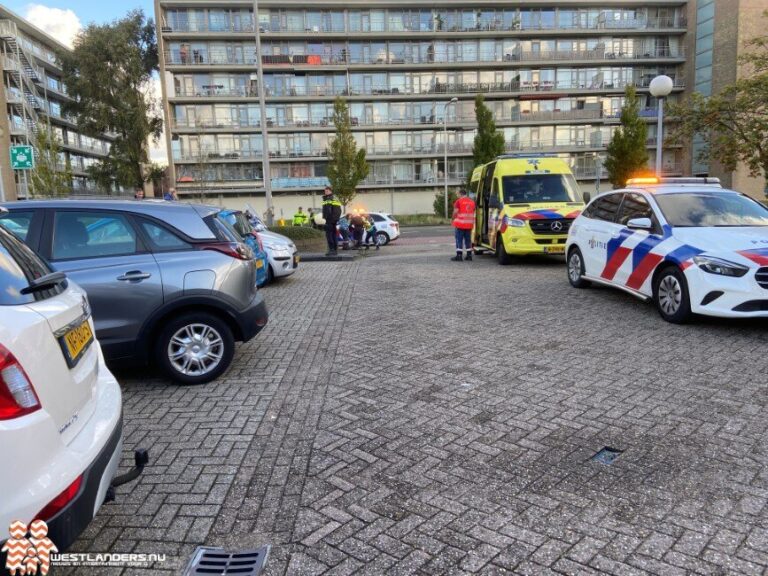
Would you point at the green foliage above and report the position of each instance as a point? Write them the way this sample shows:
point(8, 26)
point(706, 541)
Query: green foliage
point(438, 204)
point(733, 123)
point(298, 232)
point(48, 178)
point(421, 219)
point(108, 75)
point(627, 152)
point(489, 142)
point(347, 166)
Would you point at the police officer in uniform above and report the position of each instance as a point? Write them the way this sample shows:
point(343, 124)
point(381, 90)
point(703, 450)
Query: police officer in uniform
point(300, 218)
point(331, 214)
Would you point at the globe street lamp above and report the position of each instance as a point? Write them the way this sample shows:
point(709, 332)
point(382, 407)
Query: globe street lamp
point(660, 88)
point(445, 149)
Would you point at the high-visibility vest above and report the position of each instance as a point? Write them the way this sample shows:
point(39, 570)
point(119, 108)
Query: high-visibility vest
point(299, 218)
point(465, 213)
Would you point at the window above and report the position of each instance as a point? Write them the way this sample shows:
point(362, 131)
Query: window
point(528, 188)
point(376, 218)
point(163, 239)
point(634, 206)
point(17, 222)
point(91, 235)
point(606, 207)
point(18, 266)
point(712, 209)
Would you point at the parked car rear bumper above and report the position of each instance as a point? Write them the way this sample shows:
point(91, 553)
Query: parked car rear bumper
point(253, 318)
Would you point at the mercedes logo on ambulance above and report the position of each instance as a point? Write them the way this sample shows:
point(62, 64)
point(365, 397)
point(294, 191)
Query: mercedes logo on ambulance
point(556, 226)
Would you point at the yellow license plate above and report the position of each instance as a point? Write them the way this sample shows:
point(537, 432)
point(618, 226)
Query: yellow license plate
point(259, 264)
point(76, 341)
point(296, 258)
point(554, 250)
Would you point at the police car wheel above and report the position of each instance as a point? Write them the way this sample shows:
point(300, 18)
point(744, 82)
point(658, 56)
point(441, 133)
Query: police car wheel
point(501, 253)
point(382, 238)
point(576, 269)
point(670, 293)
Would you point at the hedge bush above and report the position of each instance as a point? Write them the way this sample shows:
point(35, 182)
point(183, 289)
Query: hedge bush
point(298, 232)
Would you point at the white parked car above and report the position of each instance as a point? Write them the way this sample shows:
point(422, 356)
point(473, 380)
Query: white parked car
point(282, 256)
point(387, 228)
point(60, 407)
point(691, 246)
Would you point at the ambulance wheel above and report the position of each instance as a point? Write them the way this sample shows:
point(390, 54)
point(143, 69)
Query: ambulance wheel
point(670, 293)
point(576, 269)
point(501, 252)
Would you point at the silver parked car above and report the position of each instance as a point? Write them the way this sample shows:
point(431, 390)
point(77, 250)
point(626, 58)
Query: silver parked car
point(167, 281)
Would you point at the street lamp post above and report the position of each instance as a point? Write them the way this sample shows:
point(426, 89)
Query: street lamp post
point(660, 88)
point(263, 117)
point(445, 149)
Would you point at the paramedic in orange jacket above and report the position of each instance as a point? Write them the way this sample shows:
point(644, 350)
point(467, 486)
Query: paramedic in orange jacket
point(463, 220)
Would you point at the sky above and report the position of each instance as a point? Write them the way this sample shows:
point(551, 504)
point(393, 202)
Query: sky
point(62, 19)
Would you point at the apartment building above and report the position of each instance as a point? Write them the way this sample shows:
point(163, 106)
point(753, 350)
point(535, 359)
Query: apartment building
point(32, 97)
point(553, 73)
point(722, 29)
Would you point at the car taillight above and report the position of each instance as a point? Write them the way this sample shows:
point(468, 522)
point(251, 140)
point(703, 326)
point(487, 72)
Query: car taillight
point(232, 249)
point(57, 504)
point(17, 395)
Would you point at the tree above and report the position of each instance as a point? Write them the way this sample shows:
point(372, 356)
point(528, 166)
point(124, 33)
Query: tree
point(347, 166)
point(733, 124)
point(438, 205)
point(48, 177)
point(628, 150)
point(155, 175)
point(108, 75)
point(489, 142)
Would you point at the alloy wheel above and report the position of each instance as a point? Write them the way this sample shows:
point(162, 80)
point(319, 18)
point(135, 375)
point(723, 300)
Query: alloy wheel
point(195, 349)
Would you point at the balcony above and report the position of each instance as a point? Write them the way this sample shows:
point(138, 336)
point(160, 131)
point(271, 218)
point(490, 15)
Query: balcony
point(217, 91)
point(202, 58)
point(439, 58)
point(193, 25)
point(225, 124)
point(208, 157)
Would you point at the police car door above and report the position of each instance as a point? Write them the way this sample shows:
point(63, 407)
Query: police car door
point(601, 235)
point(638, 266)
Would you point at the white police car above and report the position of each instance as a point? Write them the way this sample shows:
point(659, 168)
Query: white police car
point(688, 244)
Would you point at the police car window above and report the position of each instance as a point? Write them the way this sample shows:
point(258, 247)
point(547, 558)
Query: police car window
point(527, 188)
point(377, 218)
point(634, 206)
point(606, 207)
point(712, 209)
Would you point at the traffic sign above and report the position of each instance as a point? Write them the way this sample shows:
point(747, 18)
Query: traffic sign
point(22, 158)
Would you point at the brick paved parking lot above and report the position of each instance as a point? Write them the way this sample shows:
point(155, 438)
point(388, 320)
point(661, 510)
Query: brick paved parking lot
point(406, 414)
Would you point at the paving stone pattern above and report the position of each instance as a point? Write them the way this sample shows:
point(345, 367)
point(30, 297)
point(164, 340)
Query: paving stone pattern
point(404, 414)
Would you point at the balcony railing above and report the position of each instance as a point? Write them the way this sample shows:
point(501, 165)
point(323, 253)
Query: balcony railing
point(215, 124)
point(203, 25)
point(438, 57)
point(213, 156)
point(218, 90)
point(459, 88)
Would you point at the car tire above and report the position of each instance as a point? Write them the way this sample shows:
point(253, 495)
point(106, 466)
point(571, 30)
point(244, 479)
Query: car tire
point(382, 238)
point(270, 275)
point(213, 333)
point(670, 294)
point(501, 252)
point(575, 268)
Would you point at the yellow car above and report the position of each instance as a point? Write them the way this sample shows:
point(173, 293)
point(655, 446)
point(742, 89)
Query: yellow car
point(525, 205)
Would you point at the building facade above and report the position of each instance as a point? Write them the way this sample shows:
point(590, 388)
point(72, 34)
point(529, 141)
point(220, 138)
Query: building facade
point(553, 73)
point(32, 96)
point(723, 27)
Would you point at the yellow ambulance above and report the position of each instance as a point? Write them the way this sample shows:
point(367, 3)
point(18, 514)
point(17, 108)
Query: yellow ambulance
point(525, 205)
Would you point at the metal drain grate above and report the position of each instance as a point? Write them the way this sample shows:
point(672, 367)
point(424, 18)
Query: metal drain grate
point(607, 455)
point(218, 561)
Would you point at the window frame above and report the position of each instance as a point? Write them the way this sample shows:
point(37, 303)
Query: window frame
point(50, 220)
point(593, 207)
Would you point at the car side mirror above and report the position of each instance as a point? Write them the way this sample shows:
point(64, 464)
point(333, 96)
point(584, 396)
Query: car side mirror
point(640, 224)
point(587, 197)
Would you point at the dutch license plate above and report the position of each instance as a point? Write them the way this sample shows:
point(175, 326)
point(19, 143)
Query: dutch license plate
point(259, 264)
point(76, 342)
point(554, 250)
point(296, 259)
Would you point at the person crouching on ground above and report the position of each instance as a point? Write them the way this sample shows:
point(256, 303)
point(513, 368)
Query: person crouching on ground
point(463, 220)
point(370, 232)
point(331, 215)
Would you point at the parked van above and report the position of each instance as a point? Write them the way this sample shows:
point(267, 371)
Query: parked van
point(525, 205)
